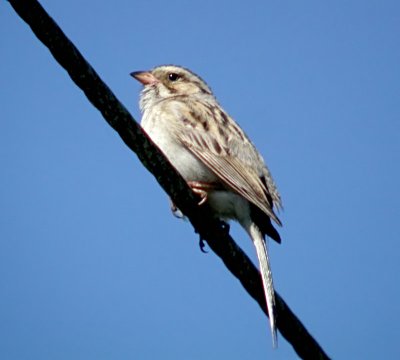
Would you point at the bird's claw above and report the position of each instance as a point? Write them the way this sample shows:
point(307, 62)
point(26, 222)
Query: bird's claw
point(202, 189)
point(202, 245)
point(202, 193)
point(176, 212)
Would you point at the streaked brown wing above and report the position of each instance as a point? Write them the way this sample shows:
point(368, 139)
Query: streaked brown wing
point(233, 172)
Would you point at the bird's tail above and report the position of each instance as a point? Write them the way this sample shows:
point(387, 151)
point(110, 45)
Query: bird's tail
point(266, 274)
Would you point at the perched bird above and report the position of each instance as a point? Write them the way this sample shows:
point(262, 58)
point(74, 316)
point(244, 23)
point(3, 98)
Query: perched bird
point(213, 154)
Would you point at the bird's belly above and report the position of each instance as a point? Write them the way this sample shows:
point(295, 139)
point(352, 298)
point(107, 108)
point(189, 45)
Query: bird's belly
point(188, 165)
point(224, 204)
point(228, 205)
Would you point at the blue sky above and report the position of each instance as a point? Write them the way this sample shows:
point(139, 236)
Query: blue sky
point(93, 265)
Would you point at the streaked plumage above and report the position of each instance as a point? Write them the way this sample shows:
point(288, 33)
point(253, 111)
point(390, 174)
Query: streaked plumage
point(205, 145)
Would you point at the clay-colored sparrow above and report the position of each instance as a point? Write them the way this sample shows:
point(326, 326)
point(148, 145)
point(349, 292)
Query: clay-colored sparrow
point(214, 155)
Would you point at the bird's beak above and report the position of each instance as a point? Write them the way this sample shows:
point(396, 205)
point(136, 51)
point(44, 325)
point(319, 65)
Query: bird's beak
point(144, 77)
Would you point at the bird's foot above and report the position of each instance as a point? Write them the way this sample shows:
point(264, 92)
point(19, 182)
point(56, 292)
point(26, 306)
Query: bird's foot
point(175, 211)
point(202, 188)
point(202, 245)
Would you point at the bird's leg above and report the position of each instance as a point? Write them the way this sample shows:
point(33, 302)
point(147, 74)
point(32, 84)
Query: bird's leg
point(202, 188)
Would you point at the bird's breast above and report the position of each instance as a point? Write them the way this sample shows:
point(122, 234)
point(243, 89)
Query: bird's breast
point(161, 131)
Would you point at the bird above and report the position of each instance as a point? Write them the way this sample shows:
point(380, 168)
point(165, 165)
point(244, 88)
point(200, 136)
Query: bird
point(215, 157)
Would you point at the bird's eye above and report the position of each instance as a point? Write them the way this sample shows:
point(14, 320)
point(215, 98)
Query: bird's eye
point(173, 76)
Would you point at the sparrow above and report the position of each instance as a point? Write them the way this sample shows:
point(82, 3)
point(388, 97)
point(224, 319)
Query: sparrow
point(215, 157)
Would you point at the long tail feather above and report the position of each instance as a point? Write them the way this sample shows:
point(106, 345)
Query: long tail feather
point(266, 274)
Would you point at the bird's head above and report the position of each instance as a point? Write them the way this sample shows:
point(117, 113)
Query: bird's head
point(167, 81)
